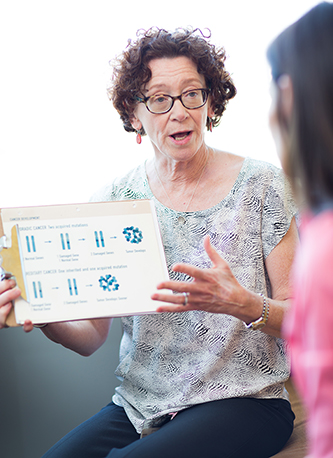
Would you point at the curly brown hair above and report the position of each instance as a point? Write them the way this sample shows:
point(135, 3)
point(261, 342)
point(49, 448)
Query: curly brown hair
point(131, 70)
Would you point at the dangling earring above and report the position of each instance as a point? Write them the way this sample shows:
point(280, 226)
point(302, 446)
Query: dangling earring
point(138, 138)
point(210, 125)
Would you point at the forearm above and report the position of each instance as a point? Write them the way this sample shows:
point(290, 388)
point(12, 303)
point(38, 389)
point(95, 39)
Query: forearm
point(251, 309)
point(83, 337)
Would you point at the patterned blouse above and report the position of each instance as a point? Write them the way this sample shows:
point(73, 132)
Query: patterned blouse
point(171, 361)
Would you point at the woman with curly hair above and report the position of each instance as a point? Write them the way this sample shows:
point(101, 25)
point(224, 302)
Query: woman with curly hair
point(205, 375)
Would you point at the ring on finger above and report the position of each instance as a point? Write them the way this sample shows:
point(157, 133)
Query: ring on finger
point(5, 275)
point(185, 298)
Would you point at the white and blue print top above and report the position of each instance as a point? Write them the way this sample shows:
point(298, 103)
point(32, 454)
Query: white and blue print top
point(172, 361)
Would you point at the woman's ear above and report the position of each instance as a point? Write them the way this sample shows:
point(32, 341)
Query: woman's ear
point(210, 109)
point(285, 86)
point(136, 123)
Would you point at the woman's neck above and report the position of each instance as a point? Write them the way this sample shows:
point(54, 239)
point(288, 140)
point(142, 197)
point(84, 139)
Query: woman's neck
point(183, 187)
point(179, 172)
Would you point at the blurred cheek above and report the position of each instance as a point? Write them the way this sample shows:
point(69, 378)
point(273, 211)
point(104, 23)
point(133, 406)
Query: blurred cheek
point(279, 140)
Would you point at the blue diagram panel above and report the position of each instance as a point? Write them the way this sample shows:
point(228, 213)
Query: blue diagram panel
point(133, 235)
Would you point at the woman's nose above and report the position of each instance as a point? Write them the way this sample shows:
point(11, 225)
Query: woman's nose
point(178, 111)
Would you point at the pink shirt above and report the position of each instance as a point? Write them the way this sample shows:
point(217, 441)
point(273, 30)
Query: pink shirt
point(309, 330)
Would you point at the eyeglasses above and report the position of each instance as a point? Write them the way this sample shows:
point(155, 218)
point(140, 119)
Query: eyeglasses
point(162, 103)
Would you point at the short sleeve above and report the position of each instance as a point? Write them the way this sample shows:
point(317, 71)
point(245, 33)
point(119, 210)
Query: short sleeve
point(128, 187)
point(278, 209)
point(104, 194)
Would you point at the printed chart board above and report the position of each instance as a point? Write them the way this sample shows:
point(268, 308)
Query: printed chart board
point(86, 260)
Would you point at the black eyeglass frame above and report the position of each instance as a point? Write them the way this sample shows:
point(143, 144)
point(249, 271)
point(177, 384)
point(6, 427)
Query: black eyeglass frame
point(174, 98)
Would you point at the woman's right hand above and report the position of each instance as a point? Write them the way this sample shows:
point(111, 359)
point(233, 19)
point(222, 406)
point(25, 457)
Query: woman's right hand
point(8, 293)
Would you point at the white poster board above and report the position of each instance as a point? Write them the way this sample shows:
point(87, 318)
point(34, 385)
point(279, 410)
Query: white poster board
point(86, 260)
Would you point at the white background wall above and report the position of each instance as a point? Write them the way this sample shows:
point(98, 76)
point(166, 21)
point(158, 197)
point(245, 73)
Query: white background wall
point(60, 137)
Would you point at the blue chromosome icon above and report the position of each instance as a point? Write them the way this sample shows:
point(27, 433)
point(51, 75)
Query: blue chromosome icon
point(32, 244)
point(108, 283)
point(64, 243)
point(39, 290)
point(133, 235)
point(99, 238)
point(73, 290)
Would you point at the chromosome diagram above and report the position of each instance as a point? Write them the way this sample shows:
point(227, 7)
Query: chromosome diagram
point(108, 283)
point(133, 235)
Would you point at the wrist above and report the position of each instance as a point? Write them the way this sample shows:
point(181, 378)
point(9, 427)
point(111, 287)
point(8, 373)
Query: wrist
point(262, 320)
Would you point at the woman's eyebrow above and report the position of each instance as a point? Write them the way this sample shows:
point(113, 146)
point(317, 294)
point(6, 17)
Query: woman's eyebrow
point(166, 88)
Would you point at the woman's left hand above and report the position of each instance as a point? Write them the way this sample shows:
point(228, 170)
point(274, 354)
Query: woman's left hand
point(214, 290)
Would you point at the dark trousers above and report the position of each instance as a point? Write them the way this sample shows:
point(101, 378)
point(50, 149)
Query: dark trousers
point(228, 428)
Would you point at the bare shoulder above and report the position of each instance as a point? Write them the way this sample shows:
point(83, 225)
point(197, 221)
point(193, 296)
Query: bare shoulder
point(227, 163)
point(221, 175)
point(228, 159)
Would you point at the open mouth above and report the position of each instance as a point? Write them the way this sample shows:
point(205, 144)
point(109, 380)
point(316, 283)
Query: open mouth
point(180, 135)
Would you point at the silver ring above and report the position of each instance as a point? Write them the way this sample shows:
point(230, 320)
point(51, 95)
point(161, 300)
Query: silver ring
point(185, 298)
point(5, 275)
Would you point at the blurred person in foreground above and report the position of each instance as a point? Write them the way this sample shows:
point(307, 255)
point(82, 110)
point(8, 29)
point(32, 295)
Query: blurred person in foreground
point(205, 375)
point(301, 119)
